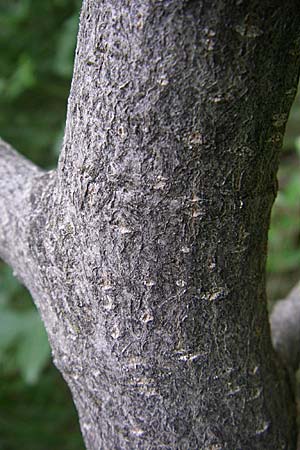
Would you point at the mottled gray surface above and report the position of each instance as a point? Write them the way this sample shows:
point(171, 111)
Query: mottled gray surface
point(285, 326)
point(145, 251)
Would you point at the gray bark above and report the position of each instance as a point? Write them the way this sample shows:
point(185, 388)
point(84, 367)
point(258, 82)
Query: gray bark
point(285, 326)
point(145, 251)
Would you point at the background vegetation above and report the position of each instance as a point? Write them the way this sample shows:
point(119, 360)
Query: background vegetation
point(37, 41)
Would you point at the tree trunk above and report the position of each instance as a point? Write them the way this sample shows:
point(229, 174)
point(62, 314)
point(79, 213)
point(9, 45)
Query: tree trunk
point(145, 251)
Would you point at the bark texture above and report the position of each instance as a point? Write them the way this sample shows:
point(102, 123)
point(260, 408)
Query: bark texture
point(285, 326)
point(145, 251)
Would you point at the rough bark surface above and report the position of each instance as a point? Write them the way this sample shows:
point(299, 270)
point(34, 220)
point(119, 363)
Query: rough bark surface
point(145, 251)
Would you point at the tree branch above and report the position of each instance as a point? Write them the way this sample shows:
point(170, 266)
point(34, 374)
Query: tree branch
point(17, 177)
point(285, 327)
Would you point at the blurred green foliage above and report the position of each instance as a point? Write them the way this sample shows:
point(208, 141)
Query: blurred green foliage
point(284, 235)
point(23, 341)
point(39, 417)
point(37, 41)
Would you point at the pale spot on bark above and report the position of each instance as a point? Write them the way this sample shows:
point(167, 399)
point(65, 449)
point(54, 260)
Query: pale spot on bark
point(160, 185)
point(146, 317)
point(124, 230)
point(115, 333)
point(185, 249)
point(137, 431)
point(149, 283)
